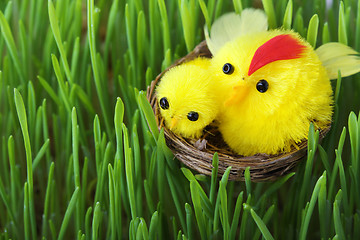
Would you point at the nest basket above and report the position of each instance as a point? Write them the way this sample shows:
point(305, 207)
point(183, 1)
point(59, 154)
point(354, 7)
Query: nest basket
point(263, 167)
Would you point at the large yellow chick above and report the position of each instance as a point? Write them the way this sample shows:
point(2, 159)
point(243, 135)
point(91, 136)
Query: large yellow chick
point(273, 84)
point(186, 100)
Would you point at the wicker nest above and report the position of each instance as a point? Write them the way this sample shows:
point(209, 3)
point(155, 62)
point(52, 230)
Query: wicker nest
point(263, 167)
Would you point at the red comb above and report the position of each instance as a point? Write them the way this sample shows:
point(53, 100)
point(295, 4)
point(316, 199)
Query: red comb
point(282, 47)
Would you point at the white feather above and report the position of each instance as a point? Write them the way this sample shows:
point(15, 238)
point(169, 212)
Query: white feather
point(231, 26)
point(339, 57)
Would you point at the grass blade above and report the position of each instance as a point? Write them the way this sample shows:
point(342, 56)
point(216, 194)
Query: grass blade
point(41, 153)
point(176, 199)
point(313, 30)
point(62, 85)
point(130, 40)
point(9, 39)
point(205, 12)
point(265, 219)
point(259, 222)
point(20, 108)
point(354, 140)
point(129, 170)
point(96, 221)
point(322, 209)
point(186, 14)
point(49, 90)
point(270, 12)
point(149, 114)
point(112, 218)
point(75, 155)
point(165, 25)
point(236, 216)
point(288, 15)
point(95, 66)
point(342, 36)
point(56, 32)
point(189, 221)
point(88, 223)
point(47, 199)
point(75, 147)
point(224, 210)
point(68, 213)
point(198, 209)
point(26, 212)
point(340, 165)
point(153, 225)
point(314, 197)
point(6, 202)
point(337, 217)
point(247, 180)
point(237, 6)
point(325, 34)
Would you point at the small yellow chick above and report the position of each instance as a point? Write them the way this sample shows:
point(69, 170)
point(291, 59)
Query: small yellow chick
point(273, 84)
point(186, 100)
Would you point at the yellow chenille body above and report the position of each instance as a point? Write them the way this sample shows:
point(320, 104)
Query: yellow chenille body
point(188, 88)
point(299, 92)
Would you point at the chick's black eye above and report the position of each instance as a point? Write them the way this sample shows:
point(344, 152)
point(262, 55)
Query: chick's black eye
point(164, 104)
point(193, 116)
point(262, 86)
point(228, 68)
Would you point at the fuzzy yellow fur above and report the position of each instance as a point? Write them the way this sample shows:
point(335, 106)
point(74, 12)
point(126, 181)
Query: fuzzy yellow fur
point(299, 93)
point(188, 87)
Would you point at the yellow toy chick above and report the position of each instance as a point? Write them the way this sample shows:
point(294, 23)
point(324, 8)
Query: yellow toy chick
point(273, 84)
point(186, 100)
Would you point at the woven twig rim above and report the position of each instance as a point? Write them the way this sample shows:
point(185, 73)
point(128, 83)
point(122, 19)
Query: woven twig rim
point(262, 167)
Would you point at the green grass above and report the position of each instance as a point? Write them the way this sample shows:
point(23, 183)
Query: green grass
point(81, 156)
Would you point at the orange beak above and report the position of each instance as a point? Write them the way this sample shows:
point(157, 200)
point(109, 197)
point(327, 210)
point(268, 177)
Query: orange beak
point(238, 94)
point(173, 123)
